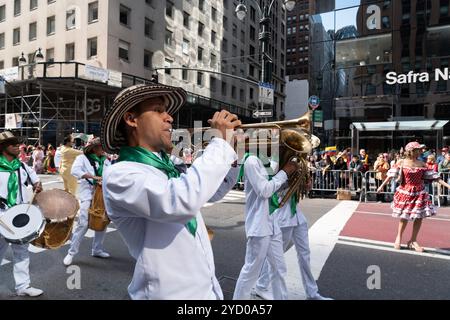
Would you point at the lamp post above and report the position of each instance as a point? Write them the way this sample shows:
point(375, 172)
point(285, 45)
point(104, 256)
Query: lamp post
point(37, 57)
point(264, 35)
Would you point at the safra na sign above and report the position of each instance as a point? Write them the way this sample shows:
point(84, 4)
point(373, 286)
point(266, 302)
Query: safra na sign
point(413, 77)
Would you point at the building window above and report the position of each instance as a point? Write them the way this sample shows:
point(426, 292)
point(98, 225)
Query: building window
point(168, 39)
point(213, 37)
point(252, 50)
point(214, 14)
point(233, 92)
point(212, 83)
point(168, 65)
point(225, 22)
point(50, 55)
point(184, 74)
point(125, 15)
point(2, 40)
point(234, 30)
point(252, 33)
point(241, 95)
point(185, 47)
point(213, 61)
point(148, 28)
point(199, 78)
point(200, 54)
point(50, 25)
point(233, 70)
point(169, 9)
point(2, 64)
point(15, 61)
point(224, 88)
point(234, 50)
point(70, 51)
point(70, 19)
point(16, 36)
point(124, 49)
point(186, 17)
point(32, 31)
point(251, 94)
point(201, 28)
point(224, 45)
point(251, 70)
point(201, 5)
point(92, 47)
point(150, 3)
point(2, 13)
point(252, 14)
point(50, 1)
point(93, 12)
point(33, 4)
point(148, 59)
point(17, 4)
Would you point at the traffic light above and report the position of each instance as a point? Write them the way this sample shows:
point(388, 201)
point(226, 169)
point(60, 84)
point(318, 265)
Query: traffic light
point(154, 78)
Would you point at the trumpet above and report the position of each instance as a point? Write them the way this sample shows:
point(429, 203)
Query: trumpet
point(297, 142)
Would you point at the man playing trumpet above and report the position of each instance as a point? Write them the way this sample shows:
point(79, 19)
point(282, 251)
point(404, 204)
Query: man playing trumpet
point(155, 208)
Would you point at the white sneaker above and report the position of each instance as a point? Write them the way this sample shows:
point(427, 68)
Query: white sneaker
point(319, 297)
point(30, 291)
point(68, 260)
point(101, 254)
point(263, 294)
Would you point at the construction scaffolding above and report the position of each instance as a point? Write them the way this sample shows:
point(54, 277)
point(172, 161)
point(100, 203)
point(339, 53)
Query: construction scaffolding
point(43, 102)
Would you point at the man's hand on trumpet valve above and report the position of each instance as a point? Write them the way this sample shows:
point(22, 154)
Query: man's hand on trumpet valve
point(290, 167)
point(225, 122)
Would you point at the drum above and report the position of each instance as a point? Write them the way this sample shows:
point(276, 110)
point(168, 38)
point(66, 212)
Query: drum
point(98, 219)
point(22, 223)
point(59, 208)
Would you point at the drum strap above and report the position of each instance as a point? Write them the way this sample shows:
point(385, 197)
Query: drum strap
point(27, 181)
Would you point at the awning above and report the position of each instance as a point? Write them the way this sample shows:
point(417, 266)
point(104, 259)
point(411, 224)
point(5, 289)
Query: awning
point(400, 125)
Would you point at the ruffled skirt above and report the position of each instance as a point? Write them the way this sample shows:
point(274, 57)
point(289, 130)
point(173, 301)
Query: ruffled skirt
point(412, 203)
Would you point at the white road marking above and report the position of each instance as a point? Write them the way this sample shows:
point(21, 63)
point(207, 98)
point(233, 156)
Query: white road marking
point(437, 254)
point(4, 261)
point(323, 236)
point(390, 215)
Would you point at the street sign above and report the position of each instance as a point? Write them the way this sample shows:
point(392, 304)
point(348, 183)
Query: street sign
point(318, 116)
point(314, 102)
point(262, 114)
point(266, 93)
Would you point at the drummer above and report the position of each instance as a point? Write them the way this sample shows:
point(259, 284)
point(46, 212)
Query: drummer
point(12, 194)
point(88, 167)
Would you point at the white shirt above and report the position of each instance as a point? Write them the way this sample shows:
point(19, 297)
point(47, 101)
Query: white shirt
point(284, 216)
point(57, 158)
point(80, 167)
point(4, 176)
point(258, 189)
point(150, 212)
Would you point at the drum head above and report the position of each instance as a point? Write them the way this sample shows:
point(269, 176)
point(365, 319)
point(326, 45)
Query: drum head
point(24, 223)
point(56, 204)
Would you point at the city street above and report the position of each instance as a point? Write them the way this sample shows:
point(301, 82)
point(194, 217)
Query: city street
point(348, 241)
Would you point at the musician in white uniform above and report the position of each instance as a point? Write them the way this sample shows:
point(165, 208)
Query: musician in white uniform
point(155, 208)
point(294, 228)
point(13, 191)
point(88, 168)
point(264, 238)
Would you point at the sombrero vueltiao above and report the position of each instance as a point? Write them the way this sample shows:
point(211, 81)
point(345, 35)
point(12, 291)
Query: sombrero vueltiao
point(91, 144)
point(111, 138)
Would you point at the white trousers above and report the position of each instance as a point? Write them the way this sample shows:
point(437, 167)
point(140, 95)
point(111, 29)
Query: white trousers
point(299, 236)
point(258, 250)
point(21, 260)
point(82, 228)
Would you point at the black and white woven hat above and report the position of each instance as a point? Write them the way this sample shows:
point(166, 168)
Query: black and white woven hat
point(7, 137)
point(112, 139)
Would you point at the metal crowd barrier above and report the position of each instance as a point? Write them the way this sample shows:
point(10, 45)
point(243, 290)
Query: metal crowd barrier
point(337, 180)
point(439, 192)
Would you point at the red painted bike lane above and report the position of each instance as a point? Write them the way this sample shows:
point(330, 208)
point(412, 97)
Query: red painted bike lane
point(373, 221)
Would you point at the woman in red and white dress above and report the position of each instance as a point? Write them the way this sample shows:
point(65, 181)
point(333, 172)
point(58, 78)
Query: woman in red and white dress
point(411, 201)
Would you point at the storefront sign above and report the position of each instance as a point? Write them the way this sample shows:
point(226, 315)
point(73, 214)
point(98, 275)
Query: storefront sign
point(374, 20)
point(96, 74)
point(10, 74)
point(412, 77)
